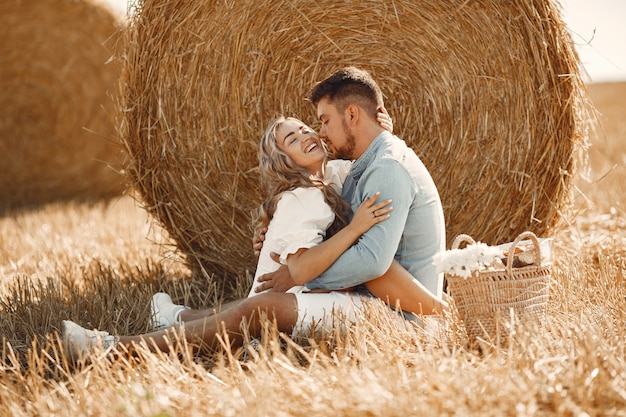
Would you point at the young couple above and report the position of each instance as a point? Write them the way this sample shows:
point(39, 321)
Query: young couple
point(330, 259)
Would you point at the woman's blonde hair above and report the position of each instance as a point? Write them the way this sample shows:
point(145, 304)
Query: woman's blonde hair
point(279, 174)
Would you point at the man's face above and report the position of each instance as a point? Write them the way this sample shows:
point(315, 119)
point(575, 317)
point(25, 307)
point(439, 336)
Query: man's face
point(335, 131)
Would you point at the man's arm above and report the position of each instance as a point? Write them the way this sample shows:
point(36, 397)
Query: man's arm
point(372, 255)
point(308, 262)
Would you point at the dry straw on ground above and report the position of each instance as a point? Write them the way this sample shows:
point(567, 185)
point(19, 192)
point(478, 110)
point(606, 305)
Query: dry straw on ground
point(91, 263)
point(488, 93)
point(57, 131)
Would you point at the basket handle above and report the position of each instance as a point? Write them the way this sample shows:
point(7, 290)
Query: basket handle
point(462, 238)
point(522, 236)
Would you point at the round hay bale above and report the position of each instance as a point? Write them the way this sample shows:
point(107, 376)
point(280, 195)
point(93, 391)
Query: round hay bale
point(488, 93)
point(57, 124)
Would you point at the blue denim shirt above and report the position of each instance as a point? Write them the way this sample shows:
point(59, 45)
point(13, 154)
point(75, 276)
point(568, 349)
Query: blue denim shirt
point(413, 234)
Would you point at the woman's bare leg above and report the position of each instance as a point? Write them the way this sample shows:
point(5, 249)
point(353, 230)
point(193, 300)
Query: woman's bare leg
point(399, 286)
point(279, 307)
point(191, 315)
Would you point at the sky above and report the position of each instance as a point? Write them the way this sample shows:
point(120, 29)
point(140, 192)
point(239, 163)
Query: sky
point(597, 28)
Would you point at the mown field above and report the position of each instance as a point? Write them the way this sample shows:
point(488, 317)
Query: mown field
point(98, 264)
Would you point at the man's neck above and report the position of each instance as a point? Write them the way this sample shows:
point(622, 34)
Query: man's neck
point(365, 138)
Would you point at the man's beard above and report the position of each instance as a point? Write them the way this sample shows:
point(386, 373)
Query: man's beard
point(347, 150)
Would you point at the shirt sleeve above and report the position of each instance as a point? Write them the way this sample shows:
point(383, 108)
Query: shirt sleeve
point(372, 255)
point(300, 220)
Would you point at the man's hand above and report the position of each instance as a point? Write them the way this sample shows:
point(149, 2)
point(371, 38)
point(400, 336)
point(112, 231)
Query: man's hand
point(257, 240)
point(277, 281)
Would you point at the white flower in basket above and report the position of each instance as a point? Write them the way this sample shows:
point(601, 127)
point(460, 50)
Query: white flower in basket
point(476, 257)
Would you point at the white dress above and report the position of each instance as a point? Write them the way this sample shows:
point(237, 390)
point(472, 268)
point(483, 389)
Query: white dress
point(300, 221)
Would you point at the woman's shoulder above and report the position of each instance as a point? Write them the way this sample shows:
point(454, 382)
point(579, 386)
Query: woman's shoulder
point(336, 173)
point(302, 195)
point(301, 205)
point(338, 165)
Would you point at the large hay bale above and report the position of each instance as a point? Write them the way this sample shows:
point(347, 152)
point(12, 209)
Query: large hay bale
point(488, 93)
point(57, 123)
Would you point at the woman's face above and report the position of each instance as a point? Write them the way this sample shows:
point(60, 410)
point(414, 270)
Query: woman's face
point(301, 144)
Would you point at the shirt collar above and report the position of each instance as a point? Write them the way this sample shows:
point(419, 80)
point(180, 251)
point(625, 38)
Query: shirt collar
point(359, 166)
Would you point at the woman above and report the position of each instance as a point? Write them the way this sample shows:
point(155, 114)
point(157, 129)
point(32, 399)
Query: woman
point(302, 209)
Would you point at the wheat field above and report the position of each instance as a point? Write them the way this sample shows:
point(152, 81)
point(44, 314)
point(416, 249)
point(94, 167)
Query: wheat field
point(98, 263)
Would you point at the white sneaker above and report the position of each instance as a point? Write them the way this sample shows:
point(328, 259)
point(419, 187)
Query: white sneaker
point(164, 313)
point(251, 349)
point(79, 341)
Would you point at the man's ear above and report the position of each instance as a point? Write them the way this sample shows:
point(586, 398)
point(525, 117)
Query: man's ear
point(352, 114)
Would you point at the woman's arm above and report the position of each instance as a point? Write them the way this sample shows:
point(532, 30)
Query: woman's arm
point(306, 264)
point(398, 286)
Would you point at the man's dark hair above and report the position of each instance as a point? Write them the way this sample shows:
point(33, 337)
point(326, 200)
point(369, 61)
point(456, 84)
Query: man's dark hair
point(349, 85)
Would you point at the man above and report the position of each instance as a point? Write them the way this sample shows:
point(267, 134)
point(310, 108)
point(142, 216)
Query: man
point(347, 103)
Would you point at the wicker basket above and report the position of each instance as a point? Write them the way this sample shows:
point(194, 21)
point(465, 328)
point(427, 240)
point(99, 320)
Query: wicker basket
point(488, 300)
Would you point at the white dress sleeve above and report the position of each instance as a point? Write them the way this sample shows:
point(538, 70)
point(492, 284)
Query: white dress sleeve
point(300, 220)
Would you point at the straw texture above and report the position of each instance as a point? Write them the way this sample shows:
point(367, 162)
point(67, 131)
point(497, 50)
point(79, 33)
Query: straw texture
point(489, 301)
point(488, 93)
point(57, 124)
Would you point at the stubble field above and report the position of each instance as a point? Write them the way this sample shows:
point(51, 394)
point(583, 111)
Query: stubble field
point(99, 263)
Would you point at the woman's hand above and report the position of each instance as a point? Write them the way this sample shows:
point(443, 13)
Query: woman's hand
point(368, 214)
point(384, 120)
point(257, 240)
